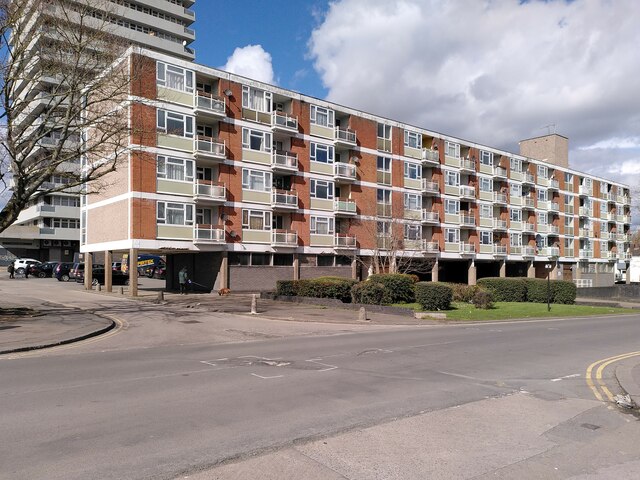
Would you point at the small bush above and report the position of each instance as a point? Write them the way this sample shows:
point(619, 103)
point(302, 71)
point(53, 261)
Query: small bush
point(415, 278)
point(372, 293)
point(563, 291)
point(433, 295)
point(287, 288)
point(482, 299)
point(536, 290)
point(400, 286)
point(339, 288)
point(505, 289)
point(463, 292)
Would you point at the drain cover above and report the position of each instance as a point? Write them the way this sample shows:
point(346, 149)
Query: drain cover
point(590, 426)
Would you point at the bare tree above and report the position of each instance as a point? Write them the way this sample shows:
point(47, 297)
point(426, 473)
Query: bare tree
point(63, 78)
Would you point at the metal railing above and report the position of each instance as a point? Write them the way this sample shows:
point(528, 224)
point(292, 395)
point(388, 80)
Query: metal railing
point(210, 146)
point(467, 191)
point(343, 205)
point(345, 135)
point(499, 197)
point(430, 247)
point(283, 120)
point(428, 216)
point(209, 102)
point(429, 186)
point(209, 189)
point(344, 240)
point(344, 170)
point(209, 233)
point(284, 159)
point(284, 237)
point(284, 198)
point(499, 224)
point(430, 155)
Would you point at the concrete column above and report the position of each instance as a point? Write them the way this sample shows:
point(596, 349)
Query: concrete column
point(434, 271)
point(88, 270)
point(224, 271)
point(133, 272)
point(503, 269)
point(627, 279)
point(577, 274)
point(354, 269)
point(531, 270)
point(296, 267)
point(108, 272)
point(472, 273)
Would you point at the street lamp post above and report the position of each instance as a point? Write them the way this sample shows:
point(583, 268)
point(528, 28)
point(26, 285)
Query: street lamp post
point(549, 266)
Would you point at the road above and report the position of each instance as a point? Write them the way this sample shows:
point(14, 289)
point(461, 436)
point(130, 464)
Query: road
point(161, 411)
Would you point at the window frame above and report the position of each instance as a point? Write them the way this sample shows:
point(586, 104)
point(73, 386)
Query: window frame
point(331, 116)
point(266, 142)
point(329, 222)
point(488, 181)
point(188, 77)
point(313, 189)
point(484, 235)
point(451, 174)
point(267, 98)
point(415, 167)
point(456, 235)
point(248, 173)
point(248, 213)
point(411, 136)
point(188, 123)
point(486, 158)
point(450, 202)
point(412, 231)
point(417, 201)
point(161, 168)
point(186, 208)
point(313, 153)
point(448, 146)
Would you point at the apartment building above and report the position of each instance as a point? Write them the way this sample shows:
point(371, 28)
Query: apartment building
point(49, 229)
point(246, 183)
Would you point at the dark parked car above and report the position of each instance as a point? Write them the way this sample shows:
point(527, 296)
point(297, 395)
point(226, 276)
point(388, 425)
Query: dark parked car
point(118, 278)
point(61, 272)
point(155, 271)
point(42, 270)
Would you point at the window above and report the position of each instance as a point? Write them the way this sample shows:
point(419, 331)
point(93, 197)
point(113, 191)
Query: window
point(516, 190)
point(452, 149)
point(174, 213)
point(515, 215)
point(452, 178)
point(174, 169)
point(322, 225)
point(256, 140)
point(384, 164)
point(486, 158)
point(603, 209)
point(321, 153)
point(174, 77)
point(486, 184)
point(256, 99)
point(516, 165)
point(384, 196)
point(542, 171)
point(256, 220)
point(568, 200)
point(384, 131)
point(542, 194)
point(256, 180)
point(486, 211)
point(412, 171)
point(568, 244)
point(451, 206)
point(412, 139)
point(451, 235)
point(412, 201)
point(173, 123)
point(568, 177)
point(321, 189)
point(383, 229)
point(486, 238)
point(64, 201)
point(515, 239)
point(568, 222)
point(65, 223)
point(322, 116)
point(543, 219)
point(412, 232)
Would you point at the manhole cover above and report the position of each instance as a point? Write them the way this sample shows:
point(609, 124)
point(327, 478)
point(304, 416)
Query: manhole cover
point(590, 426)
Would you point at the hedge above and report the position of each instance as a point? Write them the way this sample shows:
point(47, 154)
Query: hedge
point(372, 293)
point(287, 288)
point(482, 299)
point(399, 286)
point(505, 289)
point(536, 290)
point(563, 291)
point(327, 287)
point(463, 292)
point(433, 295)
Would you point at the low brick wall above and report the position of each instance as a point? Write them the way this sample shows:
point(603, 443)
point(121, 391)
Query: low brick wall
point(256, 278)
point(332, 302)
point(620, 292)
point(307, 273)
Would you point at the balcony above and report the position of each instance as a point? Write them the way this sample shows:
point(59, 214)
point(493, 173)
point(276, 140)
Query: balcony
point(528, 178)
point(550, 252)
point(605, 236)
point(624, 199)
point(430, 217)
point(430, 247)
point(429, 187)
point(585, 191)
point(583, 253)
point(345, 172)
point(554, 207)
point(528, 203)
point(612, 255)
point(554, 184)
point(626, 218)
point(605, 196)
point(281, 122)
point(345, 137)
point(467, 192)
point(210, 105)
point(542, 181)
point(205, 233)
point(500, 197)
point(284, 238)
point(206, 191)
point(583, 232)
point(528, 228)
point(467, 165)
point(624, 255)
point(467, 221)
point(553, 230)
point(499, 224)
point(284, 161)
point(500, 250)
point(467, 248)
point(623, 237)
point(430, 157)
point(611, 217)
point(528, 251)
point(284, 200)
point(209, 148)
point(584, 212)
point(344, 241)
point(344, 207)
point(543, 228)
point(500, 172)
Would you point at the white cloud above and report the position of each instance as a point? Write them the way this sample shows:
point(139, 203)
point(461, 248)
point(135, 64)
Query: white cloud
point(251, 61)
point(615, 143)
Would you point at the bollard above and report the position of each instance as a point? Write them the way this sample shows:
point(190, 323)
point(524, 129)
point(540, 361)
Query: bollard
point(362, 315)
point(121, 290)
point(161, 296)
point(254, 304)
point(99, 288)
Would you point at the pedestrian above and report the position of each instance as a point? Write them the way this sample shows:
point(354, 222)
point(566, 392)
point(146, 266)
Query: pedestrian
point(10, 269)
point(26, 270)
point(183, 278)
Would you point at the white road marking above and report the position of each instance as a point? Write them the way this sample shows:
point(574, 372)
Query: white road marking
point(318, 362)
point(573, 375)
point(266, 378)
point(208, 363)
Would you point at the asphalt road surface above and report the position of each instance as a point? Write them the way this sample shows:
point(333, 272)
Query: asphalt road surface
point(165, 411)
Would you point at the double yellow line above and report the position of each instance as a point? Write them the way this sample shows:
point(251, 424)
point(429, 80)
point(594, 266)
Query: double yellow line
point(599, 367)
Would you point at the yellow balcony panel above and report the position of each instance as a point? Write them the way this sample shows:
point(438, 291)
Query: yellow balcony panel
point(177, 232)
point(256, 236)
point(321, 204)
point(172, 186)
point(175, 143)
point(174, 96)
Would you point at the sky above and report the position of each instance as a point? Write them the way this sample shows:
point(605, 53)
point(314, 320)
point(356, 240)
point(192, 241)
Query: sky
point(489, 71)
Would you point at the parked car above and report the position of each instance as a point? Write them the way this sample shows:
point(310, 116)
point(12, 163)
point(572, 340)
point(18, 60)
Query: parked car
point(117, 277)
point(61, 272)
point(116, 266)
point(78, 269)
point(42, 270)
point(155, 271)
point(20, 264)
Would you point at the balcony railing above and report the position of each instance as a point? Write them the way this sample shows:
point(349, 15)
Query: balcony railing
point(605, 196)
point(283, 160)
point(554, 206)
point(584, 212)
point(499, 197)
point(583, 253)
point(467, 248)
point(429, 155)
point(554, 229)
point(430, 247)
point(430, 187)
point(554, 184)
point(344, 205)
point(499, 249)
point(499, 224)
point(285, 238)
point(467, 164)
point(467, 220)
point(467, 191)
point(583, 232)
point(550, 252)
point(528, 202)
point(208, 190)
point(500, 172)
point(604, 236)
point(206, 233)
point(346, 171)
point(283, 198)
point(430, 217)
point(210, 146)
point(623, 199)
point(528, 227)
point(528, 178)
point(584, 190)
point(210, 103)
point(344, 240)
point(345, 135)
point(282, 121)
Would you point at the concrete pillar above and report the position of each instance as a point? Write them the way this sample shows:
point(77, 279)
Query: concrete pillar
point(108, 272)
point(296, 267)
point(434, 271)
point(224, 271)
point(133, 272)
point(472, 273)
point(88, 270)
point(627, 279)
point(503, 269)
point(531, 270)
point(354, 269)
point(577, 274)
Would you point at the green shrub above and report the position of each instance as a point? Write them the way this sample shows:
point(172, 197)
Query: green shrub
point(433, 295)
point(563, 291)
point(505, 289)
point(372, 293)
point(399, 286)
point(463, 292)
point(482, 299)
point(536, 290)
point(339, 288)
point(287, 287)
